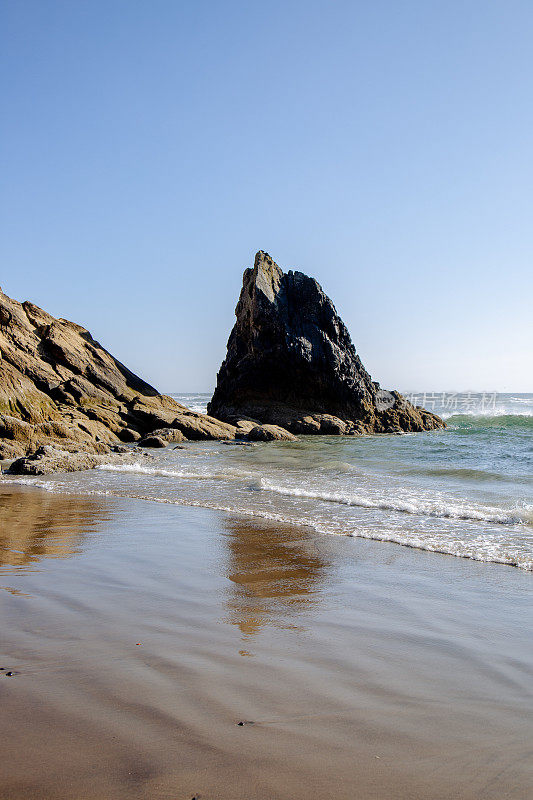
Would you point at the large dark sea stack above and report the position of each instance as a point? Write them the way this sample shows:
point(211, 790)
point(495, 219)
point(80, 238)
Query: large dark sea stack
point(291, 362)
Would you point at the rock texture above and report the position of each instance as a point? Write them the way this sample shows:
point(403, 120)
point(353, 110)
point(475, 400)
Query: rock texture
point(291, 362)
point(269, 433)
point(47, 459)
point(58, 386)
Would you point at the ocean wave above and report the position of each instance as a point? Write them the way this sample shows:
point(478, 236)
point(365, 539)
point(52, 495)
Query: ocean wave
point(485, 550)
point(499, 419)
point(411, 506)
point(195, 402)
point(140, 469)
point(500, 415)
point(37, 483)
point(415, 506)
point(464, 473)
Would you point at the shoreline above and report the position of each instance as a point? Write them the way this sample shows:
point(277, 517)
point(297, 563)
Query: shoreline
point(33, 482)
point(143, 635)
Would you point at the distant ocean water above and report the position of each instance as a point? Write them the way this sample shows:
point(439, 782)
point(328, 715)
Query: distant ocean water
point(445, 404)
point(466, 491)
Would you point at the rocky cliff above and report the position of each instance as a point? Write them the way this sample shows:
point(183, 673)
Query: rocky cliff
point(58, 386)
point(291, 362)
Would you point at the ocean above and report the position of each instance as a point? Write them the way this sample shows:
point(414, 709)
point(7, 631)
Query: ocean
point(466, 491)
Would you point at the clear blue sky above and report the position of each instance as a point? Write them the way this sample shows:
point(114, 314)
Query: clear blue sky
point(150, 148)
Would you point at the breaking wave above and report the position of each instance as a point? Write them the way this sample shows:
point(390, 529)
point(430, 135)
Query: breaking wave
point(411, 506)
point(419, 507)
point(139, 469)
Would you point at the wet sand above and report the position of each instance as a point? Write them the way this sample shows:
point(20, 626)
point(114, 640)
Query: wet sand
point(142, 633)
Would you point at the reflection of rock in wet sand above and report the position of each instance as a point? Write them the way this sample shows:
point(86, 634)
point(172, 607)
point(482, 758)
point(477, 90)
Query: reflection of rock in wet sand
point(37, 525)
point(275, 573)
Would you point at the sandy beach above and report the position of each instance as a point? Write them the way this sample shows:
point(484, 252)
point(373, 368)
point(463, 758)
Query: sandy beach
point(140, 634)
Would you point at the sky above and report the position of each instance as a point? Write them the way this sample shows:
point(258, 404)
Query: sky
point(149, 149)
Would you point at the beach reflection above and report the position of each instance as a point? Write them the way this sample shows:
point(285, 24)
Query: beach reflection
point(276, 573)
point(39, 525)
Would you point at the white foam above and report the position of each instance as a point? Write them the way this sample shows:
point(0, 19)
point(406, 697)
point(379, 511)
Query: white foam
point(140, 469)
point(415, 506)
point(488, 413)
point(486, 549)
point(411, 506)
point(482, 548)
point(49, 486)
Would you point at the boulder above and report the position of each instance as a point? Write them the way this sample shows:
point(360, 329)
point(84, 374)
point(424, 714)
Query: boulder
point(164, 414)
point(330, 425)
point(153, 441)
point(170, 435)
point(291, 362)
point(128, 435)
point(244, 426)
point(200, 426)
point(47, 459)
point(269, 433)
point(305, 425)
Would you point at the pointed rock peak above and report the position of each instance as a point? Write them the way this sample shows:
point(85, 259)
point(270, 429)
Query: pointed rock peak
point(266, 275)
point(263, 262)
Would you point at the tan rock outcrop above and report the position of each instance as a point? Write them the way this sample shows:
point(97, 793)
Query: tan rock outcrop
point(47, 459)
point(270, 433)
point(58, 385)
